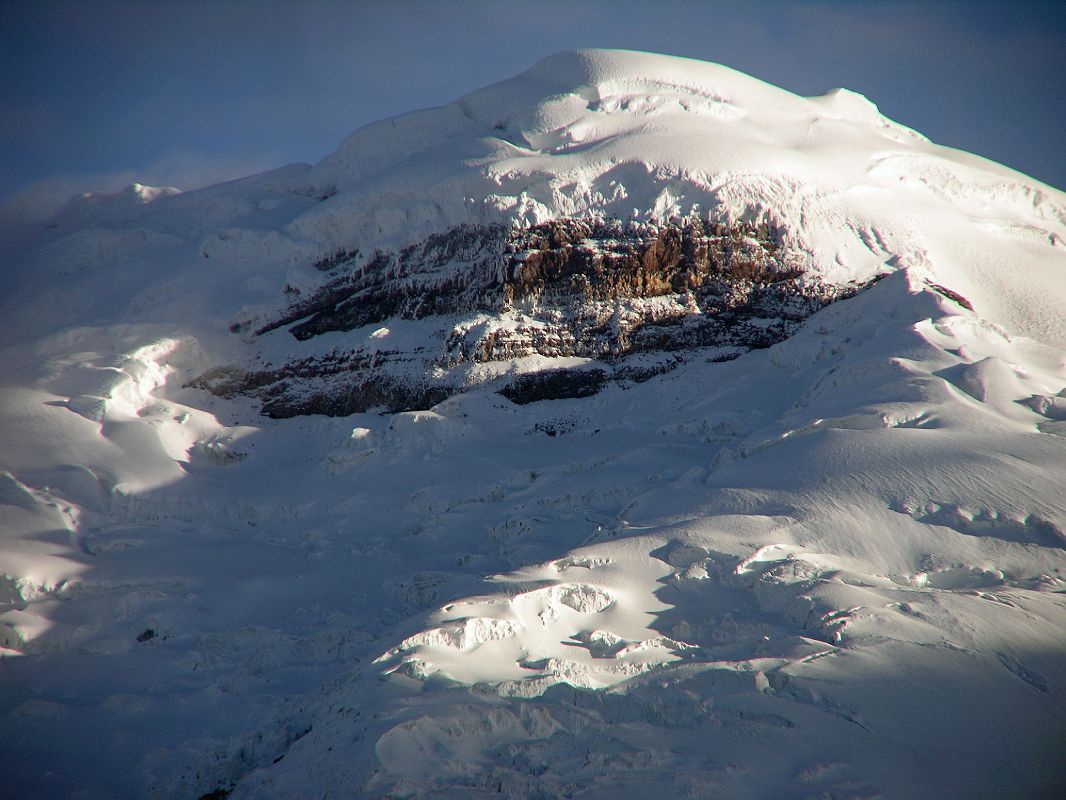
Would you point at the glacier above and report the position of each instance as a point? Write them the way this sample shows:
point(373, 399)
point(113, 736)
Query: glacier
point(827, 564)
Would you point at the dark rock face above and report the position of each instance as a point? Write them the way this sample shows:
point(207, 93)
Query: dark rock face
point(334, 385)
point(951, 295)
point(554, 384)
point(587, 288)
point(447, 273)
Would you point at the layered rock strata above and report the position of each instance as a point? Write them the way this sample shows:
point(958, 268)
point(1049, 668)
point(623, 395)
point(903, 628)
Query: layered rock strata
point(592, 289)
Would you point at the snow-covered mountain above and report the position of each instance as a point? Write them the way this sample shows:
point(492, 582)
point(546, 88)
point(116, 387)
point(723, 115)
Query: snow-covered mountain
point(627, 427)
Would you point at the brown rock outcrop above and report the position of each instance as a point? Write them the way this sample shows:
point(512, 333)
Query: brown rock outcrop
point(587, 288)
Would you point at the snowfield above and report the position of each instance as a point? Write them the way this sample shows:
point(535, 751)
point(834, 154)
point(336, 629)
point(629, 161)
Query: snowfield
point(833, 567)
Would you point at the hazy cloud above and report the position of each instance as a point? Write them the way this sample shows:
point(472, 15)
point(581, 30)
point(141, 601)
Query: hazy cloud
point(185, 170)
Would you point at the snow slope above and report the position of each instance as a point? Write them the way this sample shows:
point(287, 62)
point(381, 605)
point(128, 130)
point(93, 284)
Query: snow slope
point(833, 567)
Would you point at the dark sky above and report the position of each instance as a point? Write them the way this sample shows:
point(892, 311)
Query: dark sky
point(94, 95)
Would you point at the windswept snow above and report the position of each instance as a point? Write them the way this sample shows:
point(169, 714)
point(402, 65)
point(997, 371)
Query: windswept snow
point(835, 567)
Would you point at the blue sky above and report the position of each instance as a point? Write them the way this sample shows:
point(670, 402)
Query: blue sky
point(94, 95)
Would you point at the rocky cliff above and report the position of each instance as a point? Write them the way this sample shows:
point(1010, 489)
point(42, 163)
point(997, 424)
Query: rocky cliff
point(599, 290)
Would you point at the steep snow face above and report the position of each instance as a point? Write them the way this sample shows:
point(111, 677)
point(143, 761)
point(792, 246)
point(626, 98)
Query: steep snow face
point(846, 547)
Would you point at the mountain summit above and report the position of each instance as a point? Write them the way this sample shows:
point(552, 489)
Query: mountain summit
point(598, 433)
